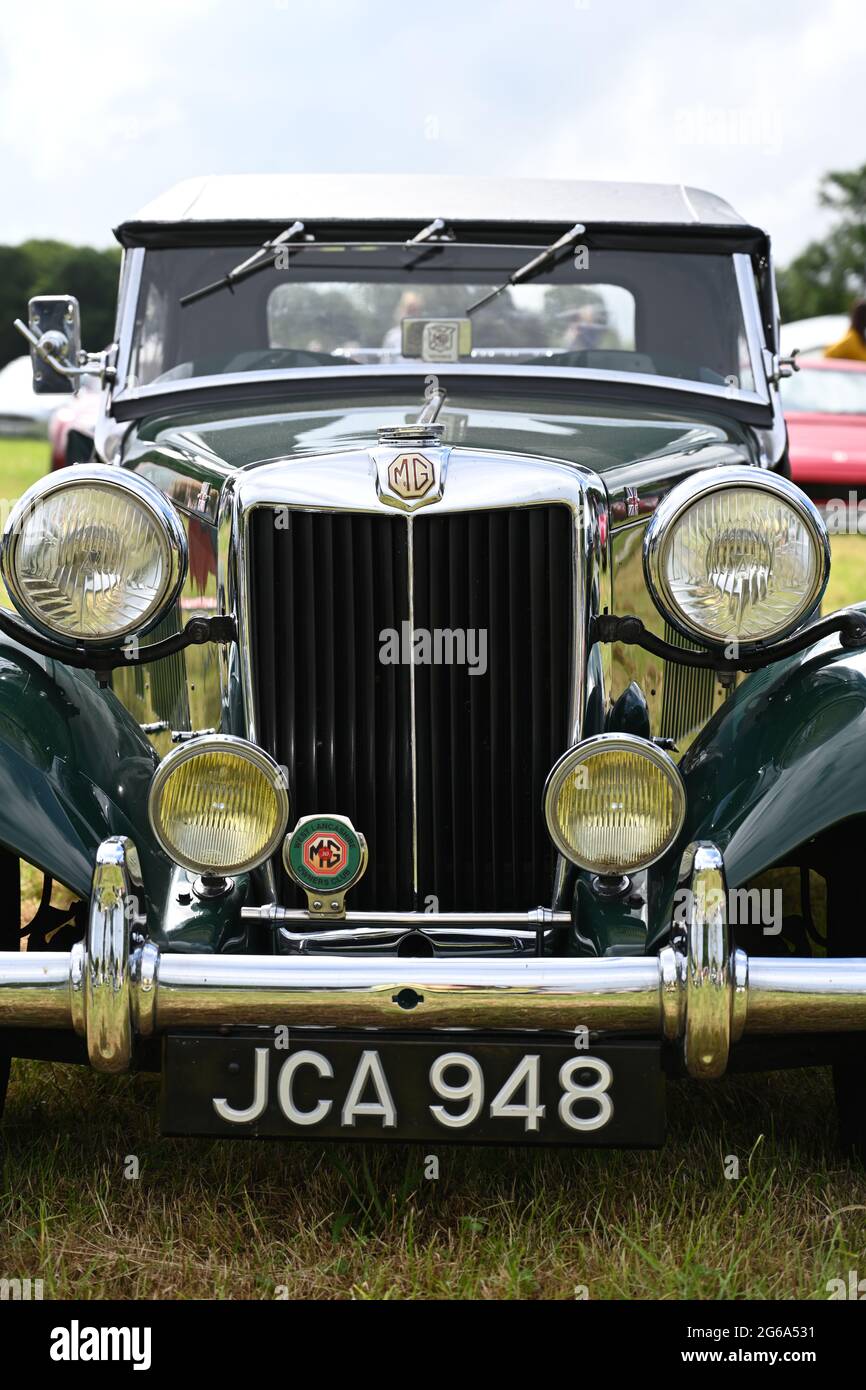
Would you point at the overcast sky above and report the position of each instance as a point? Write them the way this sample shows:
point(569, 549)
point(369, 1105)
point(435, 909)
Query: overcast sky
point(102, 105)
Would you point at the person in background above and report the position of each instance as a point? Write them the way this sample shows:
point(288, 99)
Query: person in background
point(853, 345)
point(410, 306)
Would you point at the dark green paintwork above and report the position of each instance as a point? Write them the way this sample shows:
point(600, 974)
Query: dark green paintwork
point(775, 765)
point(192, 925)
point(598, 437)
point(784, 760)
point(74, 768)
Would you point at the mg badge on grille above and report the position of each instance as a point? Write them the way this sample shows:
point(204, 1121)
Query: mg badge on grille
point(412, 475)
point(326, 856)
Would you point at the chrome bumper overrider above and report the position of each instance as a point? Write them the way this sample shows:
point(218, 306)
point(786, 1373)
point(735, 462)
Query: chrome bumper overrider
point(699, 992)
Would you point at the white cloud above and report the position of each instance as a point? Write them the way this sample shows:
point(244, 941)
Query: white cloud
point(103, 106)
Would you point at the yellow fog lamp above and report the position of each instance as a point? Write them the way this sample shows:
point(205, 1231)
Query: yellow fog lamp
point(614, 804)
point(218, 805)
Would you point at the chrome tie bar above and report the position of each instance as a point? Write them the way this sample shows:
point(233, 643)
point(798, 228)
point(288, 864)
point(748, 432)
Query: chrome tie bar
point(117, 986)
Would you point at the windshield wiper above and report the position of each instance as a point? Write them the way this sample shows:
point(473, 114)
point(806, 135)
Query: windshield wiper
point(532, 268)
point(433, 229)
point(434, 234)
point(259, 260)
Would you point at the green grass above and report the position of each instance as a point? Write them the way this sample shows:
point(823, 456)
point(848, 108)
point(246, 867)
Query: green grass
point(214, 1219)
point(22, 461)
point(222, 1219)
point(847, 573)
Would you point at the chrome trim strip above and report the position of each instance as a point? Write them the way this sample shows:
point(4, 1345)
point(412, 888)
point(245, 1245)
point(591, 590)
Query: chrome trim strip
point(643, 994)
point(746, 287)
point(806, 995)
point(410, 584)
point(107, 984)
point(539, 916)
point(474, 941)
point(709, 997)
point(36, 988)
point(149, 396)
point(127, 310)
point(153, 991)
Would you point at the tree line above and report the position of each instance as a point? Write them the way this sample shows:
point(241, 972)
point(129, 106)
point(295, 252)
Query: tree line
point(53, 267)
point(831, 272)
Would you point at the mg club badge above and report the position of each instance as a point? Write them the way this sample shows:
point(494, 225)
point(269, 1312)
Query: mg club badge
point(326, 856)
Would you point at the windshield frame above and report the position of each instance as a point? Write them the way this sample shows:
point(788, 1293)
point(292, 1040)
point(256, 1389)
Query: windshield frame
point(132, 402)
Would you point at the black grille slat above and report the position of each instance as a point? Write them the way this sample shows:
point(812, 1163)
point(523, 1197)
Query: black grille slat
point(498, 748)
point(322, 590)
point(541, 672)
point(497, 744)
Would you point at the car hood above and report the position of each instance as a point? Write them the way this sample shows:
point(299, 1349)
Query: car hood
point(596, 437)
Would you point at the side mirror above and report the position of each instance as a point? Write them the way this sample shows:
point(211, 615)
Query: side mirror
point(54, 334)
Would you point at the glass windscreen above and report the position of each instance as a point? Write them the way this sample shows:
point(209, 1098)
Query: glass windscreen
point(663, 314)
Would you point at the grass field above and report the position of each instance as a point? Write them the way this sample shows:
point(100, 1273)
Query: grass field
point(220, 1220)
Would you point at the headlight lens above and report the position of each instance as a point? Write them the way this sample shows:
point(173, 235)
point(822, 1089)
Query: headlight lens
point(218, 805)
point(736, 556)
point(93, 554)
point(614, 804)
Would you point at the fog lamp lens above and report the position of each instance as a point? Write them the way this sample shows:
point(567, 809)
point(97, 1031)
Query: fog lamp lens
point(614, 804)
point(218, 805)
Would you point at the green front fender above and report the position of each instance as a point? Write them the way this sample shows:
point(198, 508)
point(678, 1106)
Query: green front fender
point(74, 768)
point(783, 760)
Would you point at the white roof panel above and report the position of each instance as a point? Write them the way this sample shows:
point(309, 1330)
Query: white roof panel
point(419, 198)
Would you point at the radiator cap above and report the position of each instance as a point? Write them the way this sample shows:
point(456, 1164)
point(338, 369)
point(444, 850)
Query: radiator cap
point(411, 436)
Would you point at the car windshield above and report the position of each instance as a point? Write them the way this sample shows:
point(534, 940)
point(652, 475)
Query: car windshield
point(665, 314)
point(823, 391)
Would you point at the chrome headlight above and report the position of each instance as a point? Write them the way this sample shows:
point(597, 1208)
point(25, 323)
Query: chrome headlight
point(92, 554)
point(736, 556)
point(614, 803)
point(218, 805)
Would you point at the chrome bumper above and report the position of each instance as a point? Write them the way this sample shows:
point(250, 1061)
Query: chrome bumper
point(698, 992)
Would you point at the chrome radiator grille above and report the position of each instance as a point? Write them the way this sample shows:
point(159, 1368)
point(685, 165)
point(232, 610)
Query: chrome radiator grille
point(442, 770)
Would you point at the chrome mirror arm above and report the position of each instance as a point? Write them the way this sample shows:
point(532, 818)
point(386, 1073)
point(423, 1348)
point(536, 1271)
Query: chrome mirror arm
point(49, 348)
point(778, 368)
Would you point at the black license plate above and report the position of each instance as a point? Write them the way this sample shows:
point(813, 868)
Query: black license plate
point(321, 1085)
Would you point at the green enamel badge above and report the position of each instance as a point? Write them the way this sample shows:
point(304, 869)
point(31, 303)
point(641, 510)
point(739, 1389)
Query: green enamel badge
point(325, 855)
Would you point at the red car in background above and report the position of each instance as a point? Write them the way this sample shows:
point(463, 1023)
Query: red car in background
point(825, 409)
point(72, 426)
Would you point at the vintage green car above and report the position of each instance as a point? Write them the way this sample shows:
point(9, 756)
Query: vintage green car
point(424, 693)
